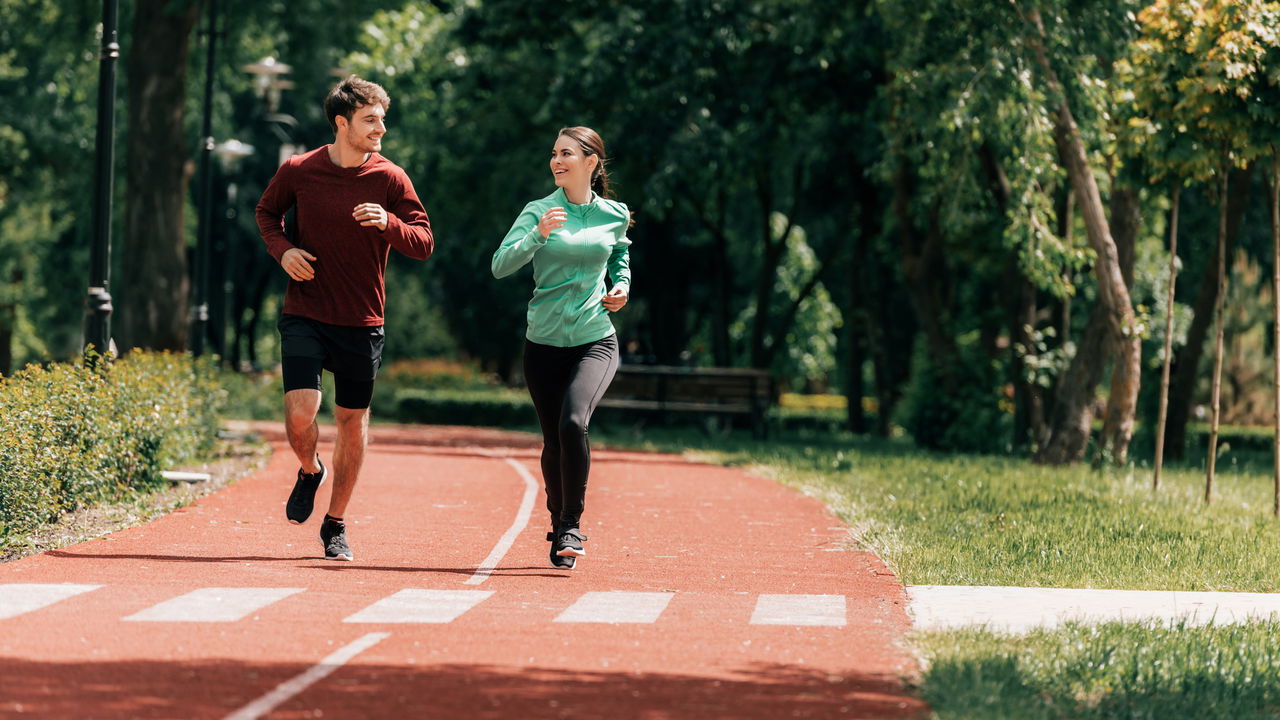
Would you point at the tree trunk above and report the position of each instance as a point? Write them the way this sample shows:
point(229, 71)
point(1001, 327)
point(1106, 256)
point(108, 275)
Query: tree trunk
point(1167, 358)
point(774, 249)
point(924, 271)
point(1218, 334)
point(721, 305)
point(154, 284)
point(859, 326)
point(1126, 372)
point(1186, 363)
point(1073, 409)
point(1071, 423)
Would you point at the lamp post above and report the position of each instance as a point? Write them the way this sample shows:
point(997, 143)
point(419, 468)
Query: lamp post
point(98, 324)
point(200, 325)
point(229, 154)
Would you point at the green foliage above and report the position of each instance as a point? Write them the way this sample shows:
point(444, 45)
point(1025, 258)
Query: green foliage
point(959, 412)
point(70, 435)
point(252, 396)
point(1113, 670)
point(809, 349)
point(47, 75)
point(1194, 73)
point(510, 408)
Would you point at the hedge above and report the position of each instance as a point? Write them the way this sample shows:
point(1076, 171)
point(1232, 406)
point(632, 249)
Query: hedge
point(72, 435)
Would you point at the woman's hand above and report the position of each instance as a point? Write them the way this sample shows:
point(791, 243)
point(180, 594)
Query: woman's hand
point(615, 300)
point(551, 221)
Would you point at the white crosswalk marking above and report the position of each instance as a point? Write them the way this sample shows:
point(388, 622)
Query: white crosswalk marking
point(17, 598)
point(213, 605)
point(616, 607)
point(799, 610)
point(421, 606)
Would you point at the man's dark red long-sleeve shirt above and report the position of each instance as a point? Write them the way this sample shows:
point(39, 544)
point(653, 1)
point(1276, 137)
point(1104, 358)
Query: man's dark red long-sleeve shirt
point(349, 287)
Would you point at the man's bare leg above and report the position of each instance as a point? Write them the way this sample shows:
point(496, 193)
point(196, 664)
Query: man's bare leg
point(348, 455)
point(300, 408)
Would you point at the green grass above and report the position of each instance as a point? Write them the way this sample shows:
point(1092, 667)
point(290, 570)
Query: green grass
point(979, 520)
point(1112, 670)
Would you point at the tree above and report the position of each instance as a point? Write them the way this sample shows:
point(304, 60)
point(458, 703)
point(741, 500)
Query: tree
point(46, 163)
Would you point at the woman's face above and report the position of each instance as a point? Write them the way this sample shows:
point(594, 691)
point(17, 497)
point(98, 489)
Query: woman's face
point(570, 166)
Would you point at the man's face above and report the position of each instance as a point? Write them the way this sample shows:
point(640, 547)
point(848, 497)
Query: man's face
point(365, 129)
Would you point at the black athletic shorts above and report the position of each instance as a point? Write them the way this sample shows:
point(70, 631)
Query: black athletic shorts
point(352, 354)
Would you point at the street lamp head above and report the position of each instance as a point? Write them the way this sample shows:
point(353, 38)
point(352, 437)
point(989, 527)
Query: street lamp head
point(267, 67)
point(266, 79)
point(231, 152)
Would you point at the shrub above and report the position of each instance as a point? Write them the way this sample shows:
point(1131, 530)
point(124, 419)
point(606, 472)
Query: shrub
point(71, 435)
point(501, 408)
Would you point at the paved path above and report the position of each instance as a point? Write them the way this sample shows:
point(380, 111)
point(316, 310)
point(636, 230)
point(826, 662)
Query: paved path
point(707, 593)
point(1018, 609)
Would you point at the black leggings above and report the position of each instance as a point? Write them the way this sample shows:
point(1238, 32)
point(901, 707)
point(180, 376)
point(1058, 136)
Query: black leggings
point(566, 384)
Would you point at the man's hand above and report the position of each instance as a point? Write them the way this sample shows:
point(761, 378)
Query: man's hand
point(295, 262)
point(614, 301)
point(368, 214)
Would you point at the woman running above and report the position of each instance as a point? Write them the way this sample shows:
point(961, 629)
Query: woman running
point(576, 238)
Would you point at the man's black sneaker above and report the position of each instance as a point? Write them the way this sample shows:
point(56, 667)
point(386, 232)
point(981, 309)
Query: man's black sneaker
point(334, 536)
point(569, 543)
point(557, 561)
point(303, 498)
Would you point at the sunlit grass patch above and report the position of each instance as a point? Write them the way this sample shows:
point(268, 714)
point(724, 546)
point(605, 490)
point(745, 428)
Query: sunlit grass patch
point(1111, 670)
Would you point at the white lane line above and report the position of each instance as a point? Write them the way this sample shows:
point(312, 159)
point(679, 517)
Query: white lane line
point(20, 598)
point(213, 605)
point(616, 607)
point(1018, 609)
point(421, 606)
point(286, 690)
point(799, 610)
point(509, 537)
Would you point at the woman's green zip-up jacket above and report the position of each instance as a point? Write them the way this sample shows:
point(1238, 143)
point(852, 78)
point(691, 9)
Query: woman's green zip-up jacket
point(569, 267)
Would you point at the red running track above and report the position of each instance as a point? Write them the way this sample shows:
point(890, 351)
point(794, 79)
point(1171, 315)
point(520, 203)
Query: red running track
point(706, 593)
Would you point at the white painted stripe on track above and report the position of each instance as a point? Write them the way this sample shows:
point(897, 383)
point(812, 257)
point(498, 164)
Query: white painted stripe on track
point(213, 605)
point(421, 606)
point(828, 610)
point(287, 690)
point(616, 607)
point(509, 537)
point(20, 598)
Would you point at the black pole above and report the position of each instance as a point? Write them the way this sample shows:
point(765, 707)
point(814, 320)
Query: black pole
point(201, 325)
point(98, 324)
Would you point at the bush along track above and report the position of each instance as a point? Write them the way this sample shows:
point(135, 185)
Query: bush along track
point(72, 434)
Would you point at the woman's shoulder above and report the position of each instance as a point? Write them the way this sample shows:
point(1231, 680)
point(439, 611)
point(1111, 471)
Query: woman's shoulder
point(615, 208)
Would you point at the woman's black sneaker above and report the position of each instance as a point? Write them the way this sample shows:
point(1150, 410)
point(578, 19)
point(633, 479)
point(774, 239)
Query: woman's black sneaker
point(334, 536)
point(569, 543)
point(303, 498)
point(557, 561)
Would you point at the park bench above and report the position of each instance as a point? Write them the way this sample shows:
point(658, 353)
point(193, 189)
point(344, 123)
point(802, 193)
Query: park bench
point(718, 394)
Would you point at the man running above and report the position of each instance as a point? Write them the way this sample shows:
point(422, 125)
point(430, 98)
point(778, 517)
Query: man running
point(352, 206)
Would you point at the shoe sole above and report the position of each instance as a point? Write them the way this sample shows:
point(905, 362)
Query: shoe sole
point(344, 558)
point(323, 477)
point(571, 552)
